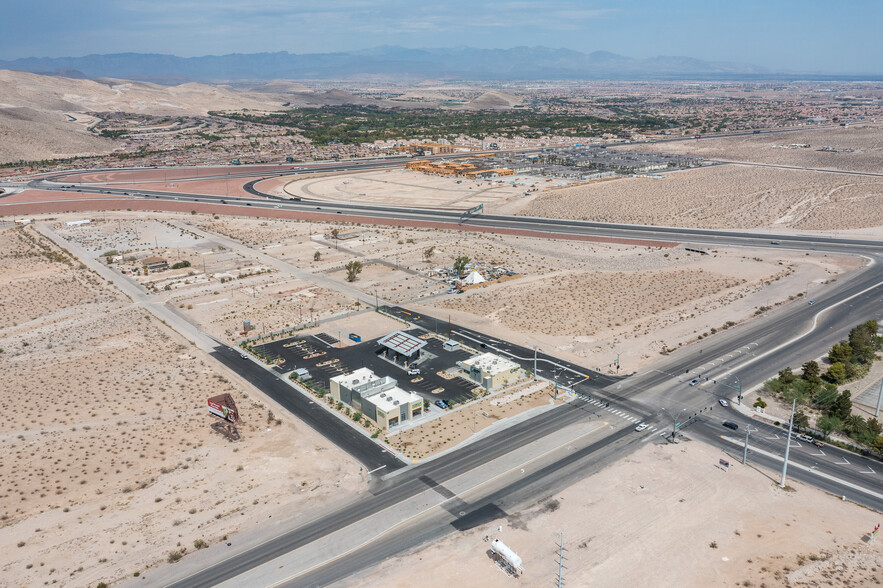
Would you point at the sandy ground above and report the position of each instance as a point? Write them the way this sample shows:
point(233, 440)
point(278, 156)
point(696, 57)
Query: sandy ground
point(109, 460)
point(864, 139)
point(725, 196)
point(666, 516)
point(691, 294)
point(440, 434)
point(409, 188)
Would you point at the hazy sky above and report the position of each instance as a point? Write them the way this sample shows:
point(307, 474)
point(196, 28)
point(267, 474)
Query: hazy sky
point(804, 35)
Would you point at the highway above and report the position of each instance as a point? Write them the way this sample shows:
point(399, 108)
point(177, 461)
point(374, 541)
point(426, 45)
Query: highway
point(737, 358)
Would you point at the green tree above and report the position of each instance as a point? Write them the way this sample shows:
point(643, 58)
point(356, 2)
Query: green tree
point(827, 423)
point(812, 372)
point(335, 232)
point(874, 426)
point(460, 264)
point(842, 406)
point(836, 373)
point(840, 353)
point(786, 376)
point(801, 421)
point(854, 424)
point(353, 269)
point(317, 256)
point(862, 340)
point(428, 253)
point(877, 444)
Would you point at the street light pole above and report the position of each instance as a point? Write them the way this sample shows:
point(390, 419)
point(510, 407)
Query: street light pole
point(745, 450)
point(879, 398)
point(788, 443)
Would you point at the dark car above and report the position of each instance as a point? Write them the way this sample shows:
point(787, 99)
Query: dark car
point(440, 404)
point(730, 425)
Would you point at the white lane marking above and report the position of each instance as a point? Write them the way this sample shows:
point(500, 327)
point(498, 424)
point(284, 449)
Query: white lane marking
point(815, 323)
point(844, 462)
point(870, 471)
point(819, 453)
point(773, 437)
point(819, 473)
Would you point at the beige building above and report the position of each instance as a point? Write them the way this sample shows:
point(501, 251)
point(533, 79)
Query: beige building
point(378, 399)
point(492, 371)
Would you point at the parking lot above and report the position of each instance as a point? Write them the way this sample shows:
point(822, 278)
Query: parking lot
point(324, 357)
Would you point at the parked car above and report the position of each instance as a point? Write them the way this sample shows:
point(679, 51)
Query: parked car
point(730, 425)
point(414, 372)
point(440, 404)
point(641, 427)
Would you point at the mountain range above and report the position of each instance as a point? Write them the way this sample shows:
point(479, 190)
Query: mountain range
point(463, 63)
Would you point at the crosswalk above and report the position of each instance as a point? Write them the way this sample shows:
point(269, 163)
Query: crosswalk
point(615, 411)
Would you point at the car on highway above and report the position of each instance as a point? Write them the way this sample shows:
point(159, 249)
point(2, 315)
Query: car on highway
point(694, 381)
point(805, 438)
point(243, 355)
point(641, 427)
point(730, 425)
point(723, 402)
point(811, 302)
point(817, 443)
point(775, 243)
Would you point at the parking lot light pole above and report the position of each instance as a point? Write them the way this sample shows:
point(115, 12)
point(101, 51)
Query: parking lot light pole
point(788, 444)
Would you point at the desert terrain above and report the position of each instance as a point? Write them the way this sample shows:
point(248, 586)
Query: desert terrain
point(692, 295)
point(857, 147)
point(725, 196)
point(111, 463)
point(668, 515)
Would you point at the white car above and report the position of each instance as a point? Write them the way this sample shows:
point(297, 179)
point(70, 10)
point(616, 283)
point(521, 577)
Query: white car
point(724, 402)
point(641, 427)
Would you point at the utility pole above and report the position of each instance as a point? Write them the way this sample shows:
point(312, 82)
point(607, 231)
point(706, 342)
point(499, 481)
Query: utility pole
point(745, 450)
point(561, 558)
point(788, 443)
point(879, 398)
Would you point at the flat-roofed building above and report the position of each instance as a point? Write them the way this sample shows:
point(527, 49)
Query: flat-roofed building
point(491, 371)
point(379, 399)
point(155, 263)
point(401, 346)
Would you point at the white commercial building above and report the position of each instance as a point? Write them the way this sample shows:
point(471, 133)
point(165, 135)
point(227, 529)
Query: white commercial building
point(377, 398)
point(492, 371)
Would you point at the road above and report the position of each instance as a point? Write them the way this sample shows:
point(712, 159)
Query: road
point(736, 359)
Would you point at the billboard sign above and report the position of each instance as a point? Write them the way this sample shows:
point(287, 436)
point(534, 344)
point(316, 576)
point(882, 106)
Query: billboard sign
point(219, 410)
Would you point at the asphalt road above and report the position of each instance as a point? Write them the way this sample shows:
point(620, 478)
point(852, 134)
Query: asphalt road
point(410, 482)
point(365, 450)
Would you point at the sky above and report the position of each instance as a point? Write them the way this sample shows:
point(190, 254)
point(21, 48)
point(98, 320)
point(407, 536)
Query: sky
point(804, 36)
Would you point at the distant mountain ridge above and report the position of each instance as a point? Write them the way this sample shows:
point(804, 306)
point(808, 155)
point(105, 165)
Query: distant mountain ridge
point(461, 63)
point(518, 63)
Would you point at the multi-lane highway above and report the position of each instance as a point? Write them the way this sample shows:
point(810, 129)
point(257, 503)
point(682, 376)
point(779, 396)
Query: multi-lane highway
point(735, 359)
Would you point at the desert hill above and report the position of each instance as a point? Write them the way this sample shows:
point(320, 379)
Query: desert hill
point(494, 100)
